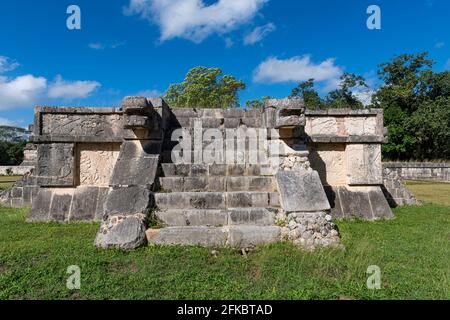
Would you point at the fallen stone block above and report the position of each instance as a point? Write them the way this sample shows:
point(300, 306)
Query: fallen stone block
point(123, 232)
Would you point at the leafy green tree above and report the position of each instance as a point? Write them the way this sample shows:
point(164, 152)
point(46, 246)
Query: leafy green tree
point(406, 80)
point(416, 101)
point(205, 88)
point(256, 104)
point(343, 97)
point(11, 153)
point(309, 94)
point(430, 125)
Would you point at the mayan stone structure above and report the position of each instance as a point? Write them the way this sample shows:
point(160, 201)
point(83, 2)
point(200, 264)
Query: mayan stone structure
point(212, 177)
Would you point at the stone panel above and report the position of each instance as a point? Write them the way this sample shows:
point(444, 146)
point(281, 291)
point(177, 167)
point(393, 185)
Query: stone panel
point(96, 162)
point(329, 161)
point(301, 191)
point(364, 164)
point(322, 126)
point(101, 126)
point(366, 203)
point(55, 164)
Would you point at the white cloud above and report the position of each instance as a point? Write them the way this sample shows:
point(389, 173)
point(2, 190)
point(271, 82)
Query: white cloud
point(259, 33)
point(297, 69)
point(364, 95)
point(192, 19)
point(29, 90)
point(22, 91)
point(6, 64)
point(7, 122)
point(150, 93)
point(102, 46)
point(61, 88)
point(96, 46)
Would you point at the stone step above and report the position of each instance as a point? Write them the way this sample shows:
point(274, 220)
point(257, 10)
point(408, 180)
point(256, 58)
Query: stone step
point(196, 170)
point(216, 184)
point(235, 236)
point(216, 200)
point(217, 218)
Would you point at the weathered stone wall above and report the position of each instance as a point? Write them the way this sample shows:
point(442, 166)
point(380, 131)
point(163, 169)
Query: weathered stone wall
point(345, 148)
point(420, 170)
point(111, 165)
point(395, 190)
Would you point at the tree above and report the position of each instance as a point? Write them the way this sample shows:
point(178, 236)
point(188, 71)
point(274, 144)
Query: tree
point(343, 97)
point(406, 82)
point(11, 153)
point(416, 103)
point(256, 104)
point(309, 94)
point(205, 88)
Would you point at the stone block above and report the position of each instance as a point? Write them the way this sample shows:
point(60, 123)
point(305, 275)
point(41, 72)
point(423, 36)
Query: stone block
point(60, 206)
point(231, 123)
point(72, 126)
point(233, 113)
point(198, 170)
point(137, 121)
point(193, 217)
point(296, 103)
point(192, 184)
point(252, 236)
point(128, 201)
point(323, 126)
point(368, 203)
point(252, 216)
point(218, 170)
point(136, 105)
point(190, 200)
point(216, 184)
point(237, 184)
point(84, 204)
point(126, 233)
point(137, 164)
point(40, 211)
point(189, 236)
point(101, 200)
point(301, 191)
point(364, 164)
point(260, 184)
point(236, 169)
point(55, 164)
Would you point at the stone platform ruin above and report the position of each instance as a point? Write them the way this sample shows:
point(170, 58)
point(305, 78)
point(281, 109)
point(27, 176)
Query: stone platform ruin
point(122, 166)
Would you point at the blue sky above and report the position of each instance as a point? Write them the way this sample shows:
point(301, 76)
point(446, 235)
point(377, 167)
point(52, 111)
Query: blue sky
point(128, 47)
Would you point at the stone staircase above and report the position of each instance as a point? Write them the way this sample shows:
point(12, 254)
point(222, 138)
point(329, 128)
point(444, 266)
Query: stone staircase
point(216, 205)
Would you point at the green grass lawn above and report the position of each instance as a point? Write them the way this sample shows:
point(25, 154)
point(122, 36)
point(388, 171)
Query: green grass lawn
point(436, 192)
point(413, 252)
point(7, 181)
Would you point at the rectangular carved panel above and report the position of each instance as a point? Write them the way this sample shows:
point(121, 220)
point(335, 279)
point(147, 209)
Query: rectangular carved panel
point(55, 164)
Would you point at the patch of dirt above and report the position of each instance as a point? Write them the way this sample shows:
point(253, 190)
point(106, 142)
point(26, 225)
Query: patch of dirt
point(3, 269)
point(122, 267)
